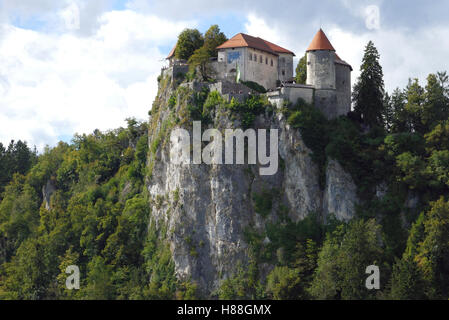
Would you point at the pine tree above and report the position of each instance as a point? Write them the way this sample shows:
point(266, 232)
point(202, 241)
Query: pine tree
point(368, 93)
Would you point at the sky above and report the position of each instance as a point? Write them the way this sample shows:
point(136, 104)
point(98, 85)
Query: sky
point(73, 66)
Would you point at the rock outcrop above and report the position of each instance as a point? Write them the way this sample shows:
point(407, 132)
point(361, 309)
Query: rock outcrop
point(340, 192)
point(207, 208)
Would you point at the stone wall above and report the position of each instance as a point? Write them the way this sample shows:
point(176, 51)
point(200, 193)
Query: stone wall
point(175, 70)
point(263, 71)
point(291, 92)
point(343, 82)
point(321, 69)
point(285, 69)
point(326, 102)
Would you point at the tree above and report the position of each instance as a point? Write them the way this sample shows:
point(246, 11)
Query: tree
point(433, 252)
point(414, 106)
point(212, 39)
point(399, 119)
point(343, 260)
point(436, 100)
point(406, 281)
point(368, 93)
point(189, 40)
point(284, 283)
point(201, 59)
point(301, 70)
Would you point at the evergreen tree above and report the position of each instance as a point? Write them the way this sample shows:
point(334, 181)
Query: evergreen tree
point(368, 93)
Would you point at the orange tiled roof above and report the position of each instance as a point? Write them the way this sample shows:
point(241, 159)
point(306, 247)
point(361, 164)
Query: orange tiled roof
point(320, 42)
point(172, 52)
point(243, 40)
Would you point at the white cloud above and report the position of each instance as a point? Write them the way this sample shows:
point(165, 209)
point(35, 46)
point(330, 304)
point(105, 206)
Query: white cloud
point(53, 85)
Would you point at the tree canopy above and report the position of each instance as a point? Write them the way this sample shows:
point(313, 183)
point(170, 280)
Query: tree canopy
point(189, 40)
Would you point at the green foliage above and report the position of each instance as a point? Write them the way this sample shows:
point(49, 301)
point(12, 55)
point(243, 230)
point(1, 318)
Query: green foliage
point(346, 253)
point(368, 92)
point(284, 283)
point(249, 109)
point(17, 158)
point(189, 40)
point(172, 101)
point(313, 127)
point(301, 70)
point(212, 39)
point(201, 60)
point(263, 202)
point(406, 281)
point(255, 86)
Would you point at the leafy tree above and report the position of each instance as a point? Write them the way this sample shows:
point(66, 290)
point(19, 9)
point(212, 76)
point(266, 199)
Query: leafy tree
point(212, 39)
point(284, 283)
point(343, 260)
point(368, 92)
point(189, 40)
point(201, 60)
point(407, 282)
point(433, 252)
point(301, 70)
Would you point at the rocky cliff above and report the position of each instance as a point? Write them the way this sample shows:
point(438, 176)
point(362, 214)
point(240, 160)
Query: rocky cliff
point(206, 209)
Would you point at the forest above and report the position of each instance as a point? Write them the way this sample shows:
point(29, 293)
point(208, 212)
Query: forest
point(395, 146)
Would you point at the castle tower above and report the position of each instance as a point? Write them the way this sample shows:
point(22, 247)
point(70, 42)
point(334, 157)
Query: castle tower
point(321, 63)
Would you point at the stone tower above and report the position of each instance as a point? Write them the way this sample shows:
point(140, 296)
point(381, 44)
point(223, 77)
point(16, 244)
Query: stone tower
point(321, 63)
point(330, 76)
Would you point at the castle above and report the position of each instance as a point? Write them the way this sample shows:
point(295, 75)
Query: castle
point(244, 57)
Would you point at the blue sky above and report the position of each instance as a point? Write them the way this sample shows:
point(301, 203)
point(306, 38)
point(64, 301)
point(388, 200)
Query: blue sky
point(73, 66)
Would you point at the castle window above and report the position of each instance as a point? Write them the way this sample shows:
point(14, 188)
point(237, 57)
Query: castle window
point(283, 60)
point(283, 72)
point(271, 62)
point(261, 59)
point(266, 60)
point(250, 56)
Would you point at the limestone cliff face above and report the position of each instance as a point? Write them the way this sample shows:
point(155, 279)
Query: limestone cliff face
point(206, 208)
point(340, 193)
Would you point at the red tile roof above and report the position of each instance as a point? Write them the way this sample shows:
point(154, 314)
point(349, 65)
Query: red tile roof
point(243, 40)
point(172, 53)
point(320, 42)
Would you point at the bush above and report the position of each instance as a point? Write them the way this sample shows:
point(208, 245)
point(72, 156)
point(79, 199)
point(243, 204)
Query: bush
point(255, 86)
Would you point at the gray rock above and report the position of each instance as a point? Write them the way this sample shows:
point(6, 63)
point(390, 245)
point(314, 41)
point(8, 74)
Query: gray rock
point(340, 193)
